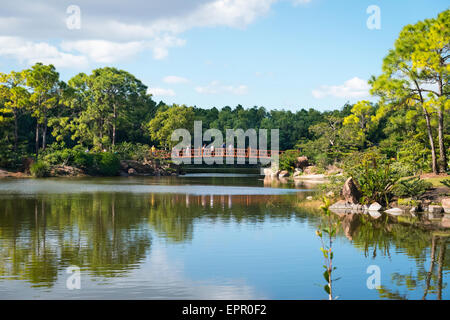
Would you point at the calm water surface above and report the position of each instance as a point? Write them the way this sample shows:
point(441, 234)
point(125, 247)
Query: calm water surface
point(199, 237)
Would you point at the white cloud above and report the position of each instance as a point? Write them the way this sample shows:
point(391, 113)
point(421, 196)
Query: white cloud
point(161, 92)
point(31, 52)
point(113, 31)
point(215, 87)
point(353, 88)
point(175, 80)
point(103, 51)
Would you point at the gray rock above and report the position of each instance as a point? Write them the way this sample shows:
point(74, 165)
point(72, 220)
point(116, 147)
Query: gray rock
point(341, 204)
point(434, 209)
point(375, 207)
point(446, 205)
point(350, 191)
point(132, 172)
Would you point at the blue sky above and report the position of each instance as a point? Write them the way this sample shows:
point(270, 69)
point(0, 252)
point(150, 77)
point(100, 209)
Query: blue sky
point(277, 54)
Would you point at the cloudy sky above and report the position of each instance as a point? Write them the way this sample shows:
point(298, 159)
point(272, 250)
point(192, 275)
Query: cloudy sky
point(273, 53)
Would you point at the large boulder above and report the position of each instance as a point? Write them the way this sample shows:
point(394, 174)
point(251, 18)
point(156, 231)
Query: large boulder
point(61, 170)
point(302, 162)
point(434, 209)
point(351, 192)
point(375, 207)
point(446, 205)
point(139, 167)
point(310, 170)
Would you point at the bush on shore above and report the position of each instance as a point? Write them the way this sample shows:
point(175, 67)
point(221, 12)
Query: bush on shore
point(40, 169)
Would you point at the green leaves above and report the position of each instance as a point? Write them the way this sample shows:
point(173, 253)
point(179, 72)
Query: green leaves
point(169, 119)
point(329, 229)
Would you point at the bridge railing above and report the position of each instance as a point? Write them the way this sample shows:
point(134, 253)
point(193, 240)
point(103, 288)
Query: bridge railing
point(217, 152)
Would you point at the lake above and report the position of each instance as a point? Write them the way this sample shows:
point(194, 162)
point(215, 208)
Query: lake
point(201, 236)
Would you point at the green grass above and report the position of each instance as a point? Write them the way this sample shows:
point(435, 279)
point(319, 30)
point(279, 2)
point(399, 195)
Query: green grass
point(436, 181)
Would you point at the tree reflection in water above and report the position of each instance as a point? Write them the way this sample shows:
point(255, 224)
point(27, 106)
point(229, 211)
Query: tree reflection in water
point(408, 234)
point(110, 234)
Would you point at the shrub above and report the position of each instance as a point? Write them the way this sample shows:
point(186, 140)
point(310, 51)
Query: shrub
point(334, 184)
point(446, 182)
point(40, 169)
point(107, 163)
point(411, 187)
point(408, 202)
point(375, 177)
point(9, 158)
point(288, 159)
point(130, 151)
point(83, 160)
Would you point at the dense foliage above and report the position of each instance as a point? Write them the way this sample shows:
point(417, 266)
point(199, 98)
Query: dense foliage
point(110, 110)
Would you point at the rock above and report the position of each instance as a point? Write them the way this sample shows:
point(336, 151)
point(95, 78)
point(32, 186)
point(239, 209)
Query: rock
point(341, 204)
point(350, 191)
point(414, 209)
point(140, 168)
point(446, 205)
point(309, 170)
point(124, 165)
point(283, 174)
point(297, 173)
point(268, 172)
point(309, 198)
point(375, 207)
point(66, 171)
point(132, 172)
point(434, 209)
point(302, 162)
point(395, 211)
point(330, 194)
point(365, 207)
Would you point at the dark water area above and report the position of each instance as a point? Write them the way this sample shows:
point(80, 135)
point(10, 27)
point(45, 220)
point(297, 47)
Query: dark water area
point(201, 236)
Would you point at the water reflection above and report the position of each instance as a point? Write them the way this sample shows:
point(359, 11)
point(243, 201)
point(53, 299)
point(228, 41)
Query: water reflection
point(408, 234)
point(122, 238)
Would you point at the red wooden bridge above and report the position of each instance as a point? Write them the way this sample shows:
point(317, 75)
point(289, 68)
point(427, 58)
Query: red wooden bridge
point(248, 153)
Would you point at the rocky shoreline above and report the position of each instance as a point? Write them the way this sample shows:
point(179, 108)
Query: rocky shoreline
point(128, 168)
point(432, 210)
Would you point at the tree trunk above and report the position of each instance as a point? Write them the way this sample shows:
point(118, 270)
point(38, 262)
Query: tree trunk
point(44, 135)
point(114, 127)
point(442, 151)
point(37, 139)
point(430, 137)
point(16, 135)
